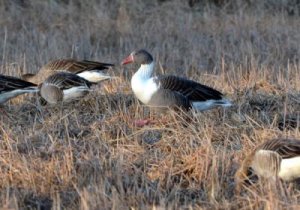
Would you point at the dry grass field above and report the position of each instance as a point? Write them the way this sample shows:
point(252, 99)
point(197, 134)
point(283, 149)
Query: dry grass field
point(90, 156)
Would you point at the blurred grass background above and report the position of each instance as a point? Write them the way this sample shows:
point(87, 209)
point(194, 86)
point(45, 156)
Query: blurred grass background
point(93, 158)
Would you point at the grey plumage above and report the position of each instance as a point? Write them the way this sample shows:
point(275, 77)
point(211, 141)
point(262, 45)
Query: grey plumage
point(142, 56)
point(271, 159)
point(286, 148)
point(67, 65)
point(182, 92)
point(170, 91)
point(64, 86)
point(11, 87)
point(167, 98)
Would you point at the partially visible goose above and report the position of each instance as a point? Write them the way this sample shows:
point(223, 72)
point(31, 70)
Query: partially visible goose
point(276, 158)
point(170, 91)
point(11, 87)
point(64, 87)
point(90, 70)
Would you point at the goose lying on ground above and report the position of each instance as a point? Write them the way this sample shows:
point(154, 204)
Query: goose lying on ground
point(64, 87)
point(90, 70)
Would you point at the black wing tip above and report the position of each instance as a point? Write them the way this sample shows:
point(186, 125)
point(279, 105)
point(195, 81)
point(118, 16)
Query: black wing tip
point(99, 63)
point(28, 84)
point(17, 80)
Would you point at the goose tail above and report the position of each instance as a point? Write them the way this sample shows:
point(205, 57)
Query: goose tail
point(212, 103)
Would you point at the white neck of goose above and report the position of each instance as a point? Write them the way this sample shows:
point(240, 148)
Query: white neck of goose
point(141, 83)
point(145, 71)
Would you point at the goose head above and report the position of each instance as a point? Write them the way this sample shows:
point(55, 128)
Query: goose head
point(141, 57)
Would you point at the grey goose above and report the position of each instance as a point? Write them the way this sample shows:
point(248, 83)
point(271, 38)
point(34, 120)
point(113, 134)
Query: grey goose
point(275, 158)
point(64, 87)
point(90, 70)
point(170, 91)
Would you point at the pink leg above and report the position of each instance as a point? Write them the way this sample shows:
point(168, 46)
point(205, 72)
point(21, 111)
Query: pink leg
point(142, 123)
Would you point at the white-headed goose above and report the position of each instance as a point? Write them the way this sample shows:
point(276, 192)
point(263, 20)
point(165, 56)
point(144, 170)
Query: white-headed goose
point(276, 158)
point(90, 70)
point(170, 91)
point(64, 87)
point(11, 87)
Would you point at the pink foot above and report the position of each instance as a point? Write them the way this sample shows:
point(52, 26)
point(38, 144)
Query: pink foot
point(141, 123)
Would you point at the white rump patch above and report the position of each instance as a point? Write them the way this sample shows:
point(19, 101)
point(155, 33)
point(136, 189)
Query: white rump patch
point(290, 168)
point(94, 76)
point(209, 104)
point(75, 92)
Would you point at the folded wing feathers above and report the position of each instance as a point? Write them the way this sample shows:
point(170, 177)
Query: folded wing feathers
point(67, 80)
point(62, 64)
point(8, 83)
point(97, 65)
point(286, 148)
point(74, 66)
point(192, 90)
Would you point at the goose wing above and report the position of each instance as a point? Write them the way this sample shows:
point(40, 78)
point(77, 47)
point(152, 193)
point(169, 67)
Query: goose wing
point(75, 66)
point(8, 83)
point(192, 90)
point(65, 80)
point(286, 148)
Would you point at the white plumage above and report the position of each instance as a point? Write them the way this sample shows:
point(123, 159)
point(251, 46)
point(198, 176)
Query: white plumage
point(289, 168)
point(142, 84)
point(94, 76)
point(75, 92)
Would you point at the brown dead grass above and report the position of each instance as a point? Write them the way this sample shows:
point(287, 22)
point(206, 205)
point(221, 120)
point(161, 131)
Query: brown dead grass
point(90, 156)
